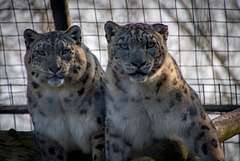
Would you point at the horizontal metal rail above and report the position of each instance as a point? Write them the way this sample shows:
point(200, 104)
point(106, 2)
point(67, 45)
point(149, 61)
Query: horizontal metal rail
point(23, 109)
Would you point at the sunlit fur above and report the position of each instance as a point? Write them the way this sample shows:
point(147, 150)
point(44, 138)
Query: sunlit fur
point(148, 99)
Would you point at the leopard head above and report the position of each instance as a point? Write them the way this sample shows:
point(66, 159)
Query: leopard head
point(138, 48)
point(55, 57)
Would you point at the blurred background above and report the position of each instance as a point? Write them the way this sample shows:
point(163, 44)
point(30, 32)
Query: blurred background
point(204, 39)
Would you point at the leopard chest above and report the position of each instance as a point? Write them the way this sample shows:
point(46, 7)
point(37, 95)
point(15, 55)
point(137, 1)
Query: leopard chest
point(66, 118)
point(140, 121)
point(49, 102)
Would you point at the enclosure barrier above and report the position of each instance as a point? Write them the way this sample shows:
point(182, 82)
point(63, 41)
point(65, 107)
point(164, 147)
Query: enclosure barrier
point(222, 89)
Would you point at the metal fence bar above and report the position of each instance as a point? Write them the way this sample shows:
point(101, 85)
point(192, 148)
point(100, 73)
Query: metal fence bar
point(61, 14)
point(23, 109)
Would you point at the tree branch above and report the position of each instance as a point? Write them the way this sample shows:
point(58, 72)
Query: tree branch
point(228, 125)
point(23, 145)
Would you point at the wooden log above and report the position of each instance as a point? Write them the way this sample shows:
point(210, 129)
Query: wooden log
point(19, 146)
point(228, 125)
point(22, 146)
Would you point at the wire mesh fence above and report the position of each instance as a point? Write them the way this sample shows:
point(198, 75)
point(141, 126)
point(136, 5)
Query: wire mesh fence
point(204, 40)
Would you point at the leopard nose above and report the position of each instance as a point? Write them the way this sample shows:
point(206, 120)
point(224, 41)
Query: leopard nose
point(138, 64)
point(54, 69)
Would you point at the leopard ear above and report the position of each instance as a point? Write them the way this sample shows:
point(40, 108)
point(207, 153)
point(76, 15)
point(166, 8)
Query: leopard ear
point(29, 36)
point(75, 33)
point(162, 29)
point(110, 30)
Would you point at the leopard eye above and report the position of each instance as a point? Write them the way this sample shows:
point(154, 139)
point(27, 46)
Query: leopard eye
point(65, 51)
point(150, 45)
point(123, 46)
point(41, 53)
